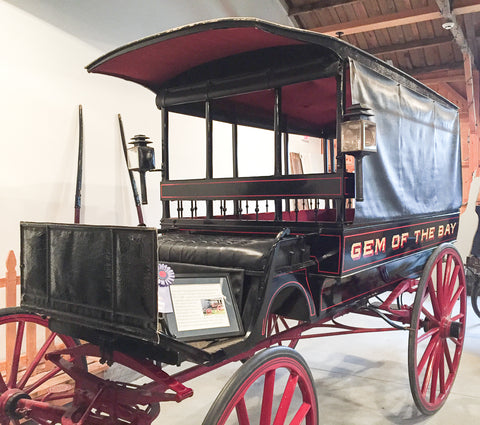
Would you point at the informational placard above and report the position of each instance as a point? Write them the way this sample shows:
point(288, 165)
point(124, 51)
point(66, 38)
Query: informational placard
point(203, 308)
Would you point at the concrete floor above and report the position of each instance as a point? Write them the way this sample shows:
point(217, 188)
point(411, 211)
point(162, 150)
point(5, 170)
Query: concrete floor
point(360, 379)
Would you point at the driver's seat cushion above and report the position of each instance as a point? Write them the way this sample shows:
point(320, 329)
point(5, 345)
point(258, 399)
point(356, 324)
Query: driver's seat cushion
point(248, 253)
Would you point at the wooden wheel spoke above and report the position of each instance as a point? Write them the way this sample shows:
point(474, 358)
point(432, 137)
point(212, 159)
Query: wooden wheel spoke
point(271, 321)
point(429, 370)
point(429, 315)
point(301, 414)
point(436, 361)
point(427, 334)
point(42, 380)
point(278, 325)
point(267, 401)
point(428, 352)
point(284, 322)
point(17, 352)
point(36, 360)
point(286, 400)
point(433, 298)
point(242, 414)
point(440, 286)
point(442, 370)
point(3, 385)
point(454, 300)
point(453, 281)
point(445, 284)
point(457, 341)
point(448, 357)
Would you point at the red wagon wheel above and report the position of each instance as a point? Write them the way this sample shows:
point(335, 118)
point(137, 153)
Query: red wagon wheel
point(437, 329)
point(274, 386)
point(28, 374)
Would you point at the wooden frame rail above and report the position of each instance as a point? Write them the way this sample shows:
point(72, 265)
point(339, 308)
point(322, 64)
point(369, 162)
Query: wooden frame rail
point(270, 187)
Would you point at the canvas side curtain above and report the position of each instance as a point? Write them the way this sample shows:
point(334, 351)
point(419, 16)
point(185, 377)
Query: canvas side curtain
point(417, 167)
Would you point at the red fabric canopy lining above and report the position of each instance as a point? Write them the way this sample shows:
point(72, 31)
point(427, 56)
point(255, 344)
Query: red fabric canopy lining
point(156, 63)
point(311, 102)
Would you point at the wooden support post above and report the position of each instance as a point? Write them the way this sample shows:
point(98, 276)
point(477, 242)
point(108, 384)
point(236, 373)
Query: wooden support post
point(165, 159)
point(277, 129)
point(236, 203)
point(470, 89)
point(209, 152)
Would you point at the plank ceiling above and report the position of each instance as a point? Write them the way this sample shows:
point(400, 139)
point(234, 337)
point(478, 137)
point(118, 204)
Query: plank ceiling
point(436, 41)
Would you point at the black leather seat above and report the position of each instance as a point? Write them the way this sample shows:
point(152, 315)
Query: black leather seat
point(248, 253)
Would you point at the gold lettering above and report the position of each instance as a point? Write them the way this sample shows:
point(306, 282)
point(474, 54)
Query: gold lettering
point(356, 252)
point(380, 245)
point(440, 231)
point(368, 248)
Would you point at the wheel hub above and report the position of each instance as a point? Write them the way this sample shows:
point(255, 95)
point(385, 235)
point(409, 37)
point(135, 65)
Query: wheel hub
point(451, 329)
point(447, 327)
point(9, 403)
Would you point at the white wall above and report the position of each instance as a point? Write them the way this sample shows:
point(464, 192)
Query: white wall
point(45, 46)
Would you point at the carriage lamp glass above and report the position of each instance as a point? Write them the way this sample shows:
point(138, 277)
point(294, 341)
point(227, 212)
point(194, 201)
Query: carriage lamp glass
point(358, 134)
point(141, 157)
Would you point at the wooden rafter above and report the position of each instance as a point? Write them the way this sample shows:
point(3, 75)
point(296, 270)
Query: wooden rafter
point(453, 95)
point(317, 5)
point(383, 21)
point(442, 76)
point(405, 17)
point(435, 68)
point(419, 44)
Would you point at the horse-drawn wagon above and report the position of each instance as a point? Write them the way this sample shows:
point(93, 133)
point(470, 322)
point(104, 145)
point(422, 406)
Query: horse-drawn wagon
point(244, 263)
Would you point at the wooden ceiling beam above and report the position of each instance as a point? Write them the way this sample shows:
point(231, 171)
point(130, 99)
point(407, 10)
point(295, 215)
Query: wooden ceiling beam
point(454, 96)
point(405, 17)
point(464, 7)
point(419, 44)
point(383, 21)
point(317, 5)
point(443, 76)
point(443, 69)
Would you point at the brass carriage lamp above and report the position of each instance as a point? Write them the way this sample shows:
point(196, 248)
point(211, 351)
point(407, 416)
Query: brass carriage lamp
point(141, 158)
point(358, 132)
point(358, 136)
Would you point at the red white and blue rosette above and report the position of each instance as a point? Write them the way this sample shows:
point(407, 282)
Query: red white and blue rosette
point(166, 275)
